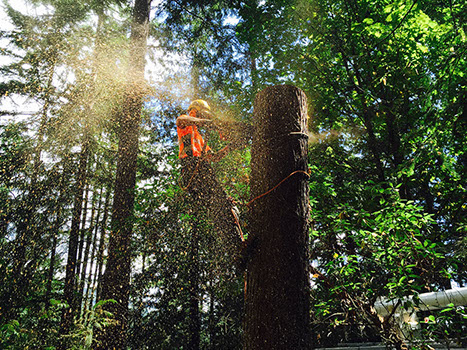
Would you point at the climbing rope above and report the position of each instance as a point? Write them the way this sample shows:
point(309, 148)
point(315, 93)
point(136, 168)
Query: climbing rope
point(242, 237)
point(185, 188)
point(280, 183)
point(292, 133)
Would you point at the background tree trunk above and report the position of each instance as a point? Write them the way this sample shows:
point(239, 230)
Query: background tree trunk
point(102, 241)
point(69, 292)
point(277, 306)
point(89, 288)
point(82, 233)
point(83, 260)
point(116, 279)
point(194, 320)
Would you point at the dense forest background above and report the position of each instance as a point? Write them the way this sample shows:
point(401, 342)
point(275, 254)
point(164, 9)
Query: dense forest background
point(386, 86)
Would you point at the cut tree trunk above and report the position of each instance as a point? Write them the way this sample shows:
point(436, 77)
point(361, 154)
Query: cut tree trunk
point(277, 288)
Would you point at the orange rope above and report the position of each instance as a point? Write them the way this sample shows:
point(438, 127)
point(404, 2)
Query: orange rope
point(238, 224)
point(280, 183)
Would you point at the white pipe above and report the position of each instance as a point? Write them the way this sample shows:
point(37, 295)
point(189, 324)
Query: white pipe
point(406, 317)
point(428, 301)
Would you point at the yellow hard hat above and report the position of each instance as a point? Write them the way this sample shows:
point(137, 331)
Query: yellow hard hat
point(199, 105)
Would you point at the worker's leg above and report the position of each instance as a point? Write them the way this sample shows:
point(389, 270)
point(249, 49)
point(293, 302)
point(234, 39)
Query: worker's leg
point(205, 191)
point(221, 210)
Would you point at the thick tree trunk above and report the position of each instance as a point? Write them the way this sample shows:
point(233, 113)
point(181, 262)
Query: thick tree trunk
point(277, 306)
point(116, 279)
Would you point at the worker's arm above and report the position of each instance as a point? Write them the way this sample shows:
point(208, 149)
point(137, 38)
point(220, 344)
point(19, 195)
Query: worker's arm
point(185, 120)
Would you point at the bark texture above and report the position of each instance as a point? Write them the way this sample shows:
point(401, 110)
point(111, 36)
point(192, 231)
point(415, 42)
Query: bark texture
point(116, 279)
point(277, 289)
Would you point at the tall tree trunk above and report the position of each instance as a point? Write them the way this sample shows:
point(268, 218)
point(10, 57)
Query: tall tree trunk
point(100, 249)
point(277, 292)
point(89, 288)
point(89, 246)
point(69, 292)
point(53, 249)
point(116, 280)
point(194, 326)
point(100, 253)
point(82, 231)
point(59, 219)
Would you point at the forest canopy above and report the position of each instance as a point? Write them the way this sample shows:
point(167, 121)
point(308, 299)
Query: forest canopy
point(98, 245)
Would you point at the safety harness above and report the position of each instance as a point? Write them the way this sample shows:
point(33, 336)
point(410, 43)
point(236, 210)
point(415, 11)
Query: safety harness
point(190, 135)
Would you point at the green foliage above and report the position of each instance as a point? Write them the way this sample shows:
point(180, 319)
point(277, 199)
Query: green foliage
point(38, 330)
point(367, 255)
point(445, 326)
point(81, 337)
point(36, 327)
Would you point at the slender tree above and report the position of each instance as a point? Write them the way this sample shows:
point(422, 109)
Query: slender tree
point(88, 258)
point(58, 222)
point(69, 291)
point(102, 244)
point(82, 233)
point(194, 326)
point(116, 279)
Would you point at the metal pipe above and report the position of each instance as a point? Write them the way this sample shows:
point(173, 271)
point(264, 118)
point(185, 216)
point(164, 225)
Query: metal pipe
point(428, 301)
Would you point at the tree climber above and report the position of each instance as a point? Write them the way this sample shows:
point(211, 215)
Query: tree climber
point(198, 178)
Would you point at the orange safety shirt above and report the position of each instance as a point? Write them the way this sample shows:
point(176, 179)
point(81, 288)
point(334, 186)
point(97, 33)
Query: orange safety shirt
point(196, 141)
